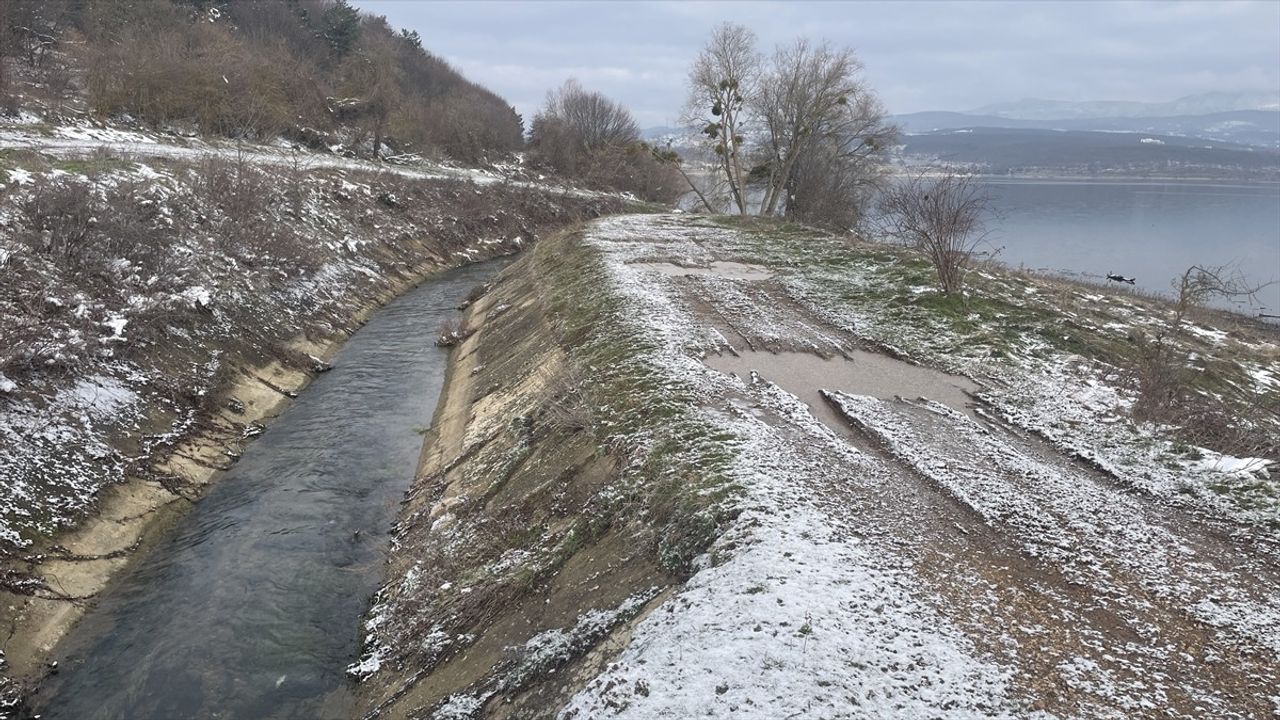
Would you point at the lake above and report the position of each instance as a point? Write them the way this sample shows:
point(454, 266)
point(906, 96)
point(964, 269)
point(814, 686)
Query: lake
point(1149, 230)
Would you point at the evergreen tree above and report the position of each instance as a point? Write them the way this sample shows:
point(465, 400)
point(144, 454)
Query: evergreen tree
point(341, 27)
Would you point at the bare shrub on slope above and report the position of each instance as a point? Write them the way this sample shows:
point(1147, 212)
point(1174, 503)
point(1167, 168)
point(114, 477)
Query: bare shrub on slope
point(943, 217)
point(1168, 384)
point(582, 134)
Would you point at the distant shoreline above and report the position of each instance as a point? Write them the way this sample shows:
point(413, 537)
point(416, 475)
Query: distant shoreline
point(1129, 180)
point(1104, 179)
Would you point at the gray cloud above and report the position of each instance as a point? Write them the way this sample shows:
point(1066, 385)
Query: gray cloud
point(918, 55)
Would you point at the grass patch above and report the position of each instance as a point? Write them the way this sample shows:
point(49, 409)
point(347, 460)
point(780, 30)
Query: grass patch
point(676, 473)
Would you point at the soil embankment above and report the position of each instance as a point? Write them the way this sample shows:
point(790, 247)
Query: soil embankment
point(503, 579)
point(160, 358)
point(835, 480)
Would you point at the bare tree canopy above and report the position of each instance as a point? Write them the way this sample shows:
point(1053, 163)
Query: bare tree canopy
point(594, 120)
point(584, 135)
point(810, 131)
point(944, 217)
point(722, 78)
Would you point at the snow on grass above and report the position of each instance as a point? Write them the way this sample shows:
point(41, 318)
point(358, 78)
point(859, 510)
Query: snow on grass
point(87, 137)
point(787, 616)
point(55, 452)
point(799, 621)
point(1249, 468)
point(1040, 372)
point(775, 623)
point(1097, 536)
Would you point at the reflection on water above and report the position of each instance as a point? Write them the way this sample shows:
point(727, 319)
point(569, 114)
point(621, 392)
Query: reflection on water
point(251, 607)
point(1149, 230)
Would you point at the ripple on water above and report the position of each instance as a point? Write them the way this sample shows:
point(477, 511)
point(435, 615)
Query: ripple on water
point(251, 607)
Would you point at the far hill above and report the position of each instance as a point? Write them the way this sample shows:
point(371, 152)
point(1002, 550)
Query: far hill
point(1201, 104)
point(1245, 127)
point(1036, 151)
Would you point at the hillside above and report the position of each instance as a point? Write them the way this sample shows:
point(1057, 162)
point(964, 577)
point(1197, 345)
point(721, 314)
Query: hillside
point(1241, 127)
point(1203, 103)
point(316, 72)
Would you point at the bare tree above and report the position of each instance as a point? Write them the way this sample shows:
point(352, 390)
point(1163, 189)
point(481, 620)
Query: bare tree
point(812, 134)
point(721, 82)
point(944, 217)
point(811, 92)
point(594, 120)
point(585, 135)
point(841, 168)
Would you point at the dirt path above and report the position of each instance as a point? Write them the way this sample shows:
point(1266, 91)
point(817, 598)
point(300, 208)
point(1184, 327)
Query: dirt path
point(1037, 583)
point(1103, 603)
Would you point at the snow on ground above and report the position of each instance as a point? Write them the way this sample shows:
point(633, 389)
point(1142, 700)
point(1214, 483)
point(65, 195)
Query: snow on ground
point(1067, 516)
point(1080, 404)
point(798, 619)
point(86, 138)
point(161, 270)
point(856, 585)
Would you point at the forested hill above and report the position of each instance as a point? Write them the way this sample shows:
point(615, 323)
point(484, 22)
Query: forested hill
point(317, 72)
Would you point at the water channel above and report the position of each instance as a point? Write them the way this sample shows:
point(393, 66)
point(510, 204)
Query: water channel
point(251, 606)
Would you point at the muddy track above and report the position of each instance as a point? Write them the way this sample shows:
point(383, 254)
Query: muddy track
point(1104, 601)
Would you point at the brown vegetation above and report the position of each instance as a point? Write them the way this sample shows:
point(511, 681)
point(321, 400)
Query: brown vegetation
point(1168, 383)
point(943, 218)
point(315, 70)
point(582, 134)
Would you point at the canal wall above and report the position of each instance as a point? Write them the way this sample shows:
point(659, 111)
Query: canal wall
point(104, 448)
point(517, 571)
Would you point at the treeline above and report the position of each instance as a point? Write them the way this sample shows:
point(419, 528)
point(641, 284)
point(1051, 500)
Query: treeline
point(316, 71)
point(582, 134)
point(797, 133)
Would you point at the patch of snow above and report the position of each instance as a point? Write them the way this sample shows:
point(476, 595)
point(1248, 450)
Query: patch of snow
point(1227, 465)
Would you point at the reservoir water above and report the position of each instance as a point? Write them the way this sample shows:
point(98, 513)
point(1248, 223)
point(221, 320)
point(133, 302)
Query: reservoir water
point(252, 606)
point(1150, 230)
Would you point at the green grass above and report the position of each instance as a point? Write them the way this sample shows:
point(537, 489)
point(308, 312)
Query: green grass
point(678, 477)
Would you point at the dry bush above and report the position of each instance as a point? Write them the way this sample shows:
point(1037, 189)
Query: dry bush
point(943, 217)
point(568, 410)
point(1165, 380)
point(248, 201)
point(59, 216)
point(452, 332)
point(583, 135)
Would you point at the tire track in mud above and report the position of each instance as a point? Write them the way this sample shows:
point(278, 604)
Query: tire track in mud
point(1173, 616)
point(1113, 608)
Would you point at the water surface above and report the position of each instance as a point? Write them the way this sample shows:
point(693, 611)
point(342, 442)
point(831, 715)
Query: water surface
point(252, 606)
point(1149, 230)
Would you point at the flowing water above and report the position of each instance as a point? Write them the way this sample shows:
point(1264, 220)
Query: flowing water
point(251, 607)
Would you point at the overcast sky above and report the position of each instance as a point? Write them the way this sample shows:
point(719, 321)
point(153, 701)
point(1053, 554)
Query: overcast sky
point(918, 55)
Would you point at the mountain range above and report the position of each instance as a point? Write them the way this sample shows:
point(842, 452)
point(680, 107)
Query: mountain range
point(1202, 104)
point(1242, 118)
